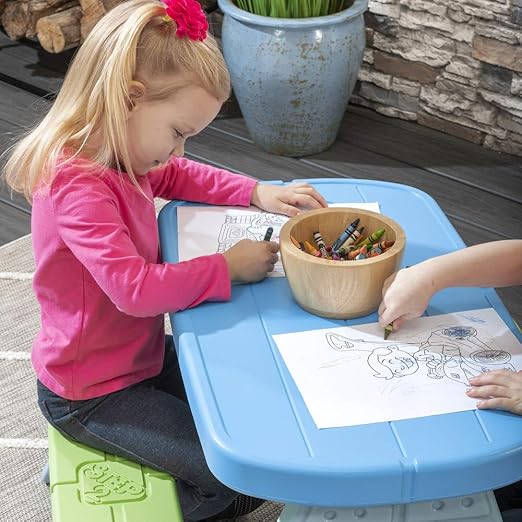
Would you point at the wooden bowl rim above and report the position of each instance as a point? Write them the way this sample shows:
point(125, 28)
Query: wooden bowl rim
point(291, 249)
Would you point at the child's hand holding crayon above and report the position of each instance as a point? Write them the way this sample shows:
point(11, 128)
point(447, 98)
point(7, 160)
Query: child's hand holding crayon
point(406, 295)
point(250, 261)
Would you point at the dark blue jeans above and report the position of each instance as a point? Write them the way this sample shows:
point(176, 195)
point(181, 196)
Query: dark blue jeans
point(150, 423)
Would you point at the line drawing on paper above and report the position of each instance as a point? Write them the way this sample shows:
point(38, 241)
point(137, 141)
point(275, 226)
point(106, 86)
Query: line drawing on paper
point(248, 226)
point(452, 352)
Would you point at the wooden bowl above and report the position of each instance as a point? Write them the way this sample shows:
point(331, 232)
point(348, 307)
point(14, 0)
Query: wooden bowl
point(338, 289)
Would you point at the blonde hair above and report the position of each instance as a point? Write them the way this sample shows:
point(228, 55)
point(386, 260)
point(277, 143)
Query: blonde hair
point(130, 43)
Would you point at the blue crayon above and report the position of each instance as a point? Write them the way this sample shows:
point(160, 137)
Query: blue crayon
point(349, 230)
point(352, 239)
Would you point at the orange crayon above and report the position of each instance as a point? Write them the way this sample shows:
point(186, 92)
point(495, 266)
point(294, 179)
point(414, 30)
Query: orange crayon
point(310, 249)
point(353, 254)
point(295, 242)
point(363, 253)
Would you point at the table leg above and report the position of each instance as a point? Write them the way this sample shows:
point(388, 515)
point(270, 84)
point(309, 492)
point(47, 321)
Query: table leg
point(479, 507)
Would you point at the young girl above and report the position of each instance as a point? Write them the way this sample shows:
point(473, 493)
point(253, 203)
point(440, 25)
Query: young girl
point(147, 78)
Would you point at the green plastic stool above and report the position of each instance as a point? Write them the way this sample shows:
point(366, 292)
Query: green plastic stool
point(87, 485)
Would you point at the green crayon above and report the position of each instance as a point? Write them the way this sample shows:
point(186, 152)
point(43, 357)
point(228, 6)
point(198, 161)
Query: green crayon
point(344, 251)
point(373, 238)
point(388, 329)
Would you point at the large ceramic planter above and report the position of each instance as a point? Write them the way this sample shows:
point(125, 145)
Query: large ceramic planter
point(293, 77)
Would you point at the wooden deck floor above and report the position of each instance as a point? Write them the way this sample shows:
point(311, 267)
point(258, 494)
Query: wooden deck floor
point(479, 190)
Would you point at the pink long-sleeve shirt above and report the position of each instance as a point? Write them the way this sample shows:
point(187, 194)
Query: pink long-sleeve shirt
point(99, 281)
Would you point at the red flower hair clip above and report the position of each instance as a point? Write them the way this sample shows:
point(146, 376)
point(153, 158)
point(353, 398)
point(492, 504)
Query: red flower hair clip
point(189, 18)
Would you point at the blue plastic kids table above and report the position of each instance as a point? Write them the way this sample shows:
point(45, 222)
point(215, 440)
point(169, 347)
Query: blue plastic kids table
point(258, 436)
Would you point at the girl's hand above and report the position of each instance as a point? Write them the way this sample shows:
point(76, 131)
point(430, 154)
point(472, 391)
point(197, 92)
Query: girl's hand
point(501, 389)
point(406, 295)
point(250, 261)
point(288, 200)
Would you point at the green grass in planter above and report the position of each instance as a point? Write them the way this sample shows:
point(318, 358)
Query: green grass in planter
point(293, 8)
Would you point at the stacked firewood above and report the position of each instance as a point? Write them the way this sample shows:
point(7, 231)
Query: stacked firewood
point(58, 24)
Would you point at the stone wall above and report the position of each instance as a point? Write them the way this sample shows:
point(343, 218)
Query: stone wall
point(452, 66)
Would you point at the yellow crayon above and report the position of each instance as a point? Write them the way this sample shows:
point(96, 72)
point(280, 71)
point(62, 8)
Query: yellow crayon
point(388, 329)
point(310, 249)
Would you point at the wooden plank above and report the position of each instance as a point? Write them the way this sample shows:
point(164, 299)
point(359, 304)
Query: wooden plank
point(13, 199)
point(460, 202)
point(512, 299)
point(230, 152)
point(15, 223)
point(471, 235)
point(440, 154)
point(434, 137)
point(434, 151)
point(19, 109)
point(26, 64)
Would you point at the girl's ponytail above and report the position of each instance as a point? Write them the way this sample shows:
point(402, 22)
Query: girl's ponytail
point(133, 42)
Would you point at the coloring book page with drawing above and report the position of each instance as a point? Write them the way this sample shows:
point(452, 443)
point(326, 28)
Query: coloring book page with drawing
point(205, 230)
point(350, 375)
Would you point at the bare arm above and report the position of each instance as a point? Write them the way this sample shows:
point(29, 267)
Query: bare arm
point(407, 292)
point(494, 264)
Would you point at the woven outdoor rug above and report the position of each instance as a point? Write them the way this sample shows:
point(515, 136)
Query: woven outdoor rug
point(23, 430)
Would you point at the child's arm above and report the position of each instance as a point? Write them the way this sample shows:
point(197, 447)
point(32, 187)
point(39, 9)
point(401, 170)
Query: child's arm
point(501, 389)
point(189, 180)
point(192, 181)
point(124, 263)
point(407, 293)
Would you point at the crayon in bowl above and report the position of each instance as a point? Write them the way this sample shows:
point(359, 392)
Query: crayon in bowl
point(348, 247)
point(347, 281)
